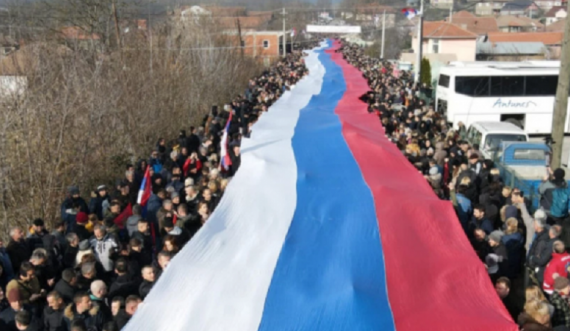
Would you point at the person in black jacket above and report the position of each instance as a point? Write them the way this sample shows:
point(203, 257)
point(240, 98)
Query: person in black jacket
point(125, 284)
point(18, 249)
point(148, 281)
point(83, 309)
point(53, 313)
point(540, 251)
point(66, 286)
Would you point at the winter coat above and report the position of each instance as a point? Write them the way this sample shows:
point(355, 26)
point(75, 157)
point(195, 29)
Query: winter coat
point(546, 190)
point(104, 250)
point(19, 252)
point(144, 288)
point(53, 320)
point(124, 286)
point(8, 270)
point(540, 252)
point(153, 205)
point(132, 224)
point(514, 244)
point(93, 318)
point(463, 209)
point(558, 264)
point(26, 289)
point(97, 205)
point(68, 212)
point(66, 291)
point(483, 224)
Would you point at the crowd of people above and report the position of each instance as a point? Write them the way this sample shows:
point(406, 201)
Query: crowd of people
point(522, 252)
point(94, 267)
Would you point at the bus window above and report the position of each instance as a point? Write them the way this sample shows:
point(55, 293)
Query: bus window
point(493, 141)
point(541, 85)
point(443, 81)
point(473, 86)
point(507, 86)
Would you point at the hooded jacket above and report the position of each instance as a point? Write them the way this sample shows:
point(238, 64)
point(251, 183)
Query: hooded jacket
point(66, 291)
point(93, 318)
point(104, 250)
point(132, 224)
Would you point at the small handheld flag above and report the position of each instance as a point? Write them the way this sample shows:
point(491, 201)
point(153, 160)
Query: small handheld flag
point(226, 162)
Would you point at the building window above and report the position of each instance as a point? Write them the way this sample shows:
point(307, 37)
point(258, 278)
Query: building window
point(435, 46)
point(266, 43)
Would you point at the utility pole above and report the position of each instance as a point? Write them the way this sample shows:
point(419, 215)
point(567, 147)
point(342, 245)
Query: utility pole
point(420, 43)
point(383, 34)
point(117, 30)
point(561, 102)
point(149, 30)
point(284, 36)
point(451, 13)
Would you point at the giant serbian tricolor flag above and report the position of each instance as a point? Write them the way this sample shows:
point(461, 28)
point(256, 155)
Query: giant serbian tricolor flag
point(326, 226)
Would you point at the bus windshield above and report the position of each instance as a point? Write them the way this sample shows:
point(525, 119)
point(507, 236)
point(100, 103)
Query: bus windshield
point(493, 141)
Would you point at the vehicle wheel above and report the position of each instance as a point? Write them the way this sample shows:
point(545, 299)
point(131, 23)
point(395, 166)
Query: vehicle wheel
point(515, 122)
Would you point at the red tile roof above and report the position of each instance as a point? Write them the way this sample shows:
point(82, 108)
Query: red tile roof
point(444, 30)
point(509, 20)
point(75, 32)
point(477, 25)
point(463, 14)
point(548, 38)
point(246, 22)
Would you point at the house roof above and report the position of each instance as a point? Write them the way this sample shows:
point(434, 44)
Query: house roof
point(444, 30)
point(511, 48)
point(548, 38)
point(517, 5)
point(246, 22)
point(373, 9)
point(463, 14)
point(552, 12)
point(225, 11)
point(477, 25)
point(557, 26)
point(510, 20)
point(75, 32)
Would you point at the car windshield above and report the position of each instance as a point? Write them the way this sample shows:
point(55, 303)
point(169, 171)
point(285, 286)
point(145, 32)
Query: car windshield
point(493, 141)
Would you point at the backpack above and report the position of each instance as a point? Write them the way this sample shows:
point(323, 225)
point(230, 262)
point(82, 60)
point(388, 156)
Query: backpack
point(559, 207)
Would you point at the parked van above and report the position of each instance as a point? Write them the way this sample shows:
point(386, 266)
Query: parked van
point(490, 135)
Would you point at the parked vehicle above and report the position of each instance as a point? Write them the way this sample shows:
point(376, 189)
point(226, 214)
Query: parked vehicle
point(490, 135)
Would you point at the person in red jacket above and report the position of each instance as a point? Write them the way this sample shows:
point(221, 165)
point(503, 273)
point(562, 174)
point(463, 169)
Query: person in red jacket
point(557, 267)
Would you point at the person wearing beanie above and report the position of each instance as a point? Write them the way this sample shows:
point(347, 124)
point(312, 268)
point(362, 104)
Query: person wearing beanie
point(99, 201)
point(499, 250)
point(554, 196)
point(8, 315)
point(558, 299)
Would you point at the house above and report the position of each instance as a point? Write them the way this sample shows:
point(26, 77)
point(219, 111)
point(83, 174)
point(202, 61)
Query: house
point(265, 45)
point(557, 26)
point(520, 8)
point(552, 40)
point(477, 25)
point(245, 22)
point(546, 5)
point(511, 51)
point(78, 38)
point(510, 23)
point(443, 42)
point(489, 7)
point(555, 14)
point(442, 3)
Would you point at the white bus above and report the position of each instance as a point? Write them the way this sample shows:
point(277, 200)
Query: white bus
point(521, 93)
